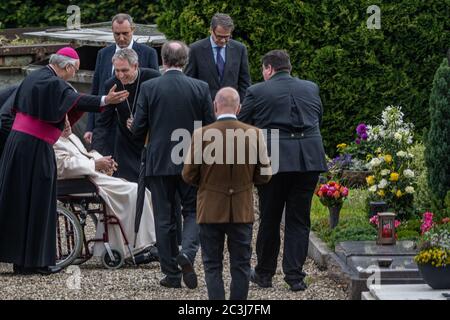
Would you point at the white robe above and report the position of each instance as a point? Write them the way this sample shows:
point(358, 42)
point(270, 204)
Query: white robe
point(73, 160)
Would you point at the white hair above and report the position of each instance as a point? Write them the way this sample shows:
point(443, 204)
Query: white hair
point(126, 54)
point(62, 61)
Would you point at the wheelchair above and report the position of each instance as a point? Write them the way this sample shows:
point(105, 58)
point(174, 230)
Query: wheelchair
point(79, 202)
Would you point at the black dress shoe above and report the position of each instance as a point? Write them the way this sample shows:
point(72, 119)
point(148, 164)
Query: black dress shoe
point(35, 270)
point(20, 270)
point(298, 286)
point(165, 282)
point(47, 270)
point(189, 276)
point(263, 282)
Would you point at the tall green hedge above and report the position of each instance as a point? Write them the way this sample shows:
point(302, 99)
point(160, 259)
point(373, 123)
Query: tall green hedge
point(359, 71)
point(27, 13)
point(438, 142)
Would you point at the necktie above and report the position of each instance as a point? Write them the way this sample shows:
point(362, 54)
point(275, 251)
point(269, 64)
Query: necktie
point(220, 63)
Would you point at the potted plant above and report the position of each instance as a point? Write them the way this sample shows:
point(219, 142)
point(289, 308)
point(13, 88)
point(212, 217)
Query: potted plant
point(332, 195)
point(433, 259)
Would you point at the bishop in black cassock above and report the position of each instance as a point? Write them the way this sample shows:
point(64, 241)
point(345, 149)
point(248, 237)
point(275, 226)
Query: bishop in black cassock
point(27, 165)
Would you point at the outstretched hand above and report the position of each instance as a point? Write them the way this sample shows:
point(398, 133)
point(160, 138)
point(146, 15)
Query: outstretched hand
point(114, 97)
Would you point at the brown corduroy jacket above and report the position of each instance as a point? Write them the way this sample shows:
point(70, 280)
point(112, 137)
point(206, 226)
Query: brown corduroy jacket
point(225, 178)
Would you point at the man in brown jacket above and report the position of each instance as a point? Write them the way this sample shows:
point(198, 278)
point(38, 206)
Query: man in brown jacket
point(225, 159)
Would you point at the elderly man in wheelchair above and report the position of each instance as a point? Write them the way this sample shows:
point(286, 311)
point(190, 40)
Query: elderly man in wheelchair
point(86, 189)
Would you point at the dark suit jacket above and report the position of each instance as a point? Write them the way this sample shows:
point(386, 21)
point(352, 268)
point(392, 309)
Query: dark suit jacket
point(148, 58)
point(7, 97)
point(225, 193)
point(165, 104)
point(294, 107)
point(202, 66)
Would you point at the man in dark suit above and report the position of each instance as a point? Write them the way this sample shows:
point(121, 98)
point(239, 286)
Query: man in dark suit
point(122, 28)
point(225, 195)
point(167, 108)
point(219, 60)
point(127, 148)
point(293, 107)
point(7, 97)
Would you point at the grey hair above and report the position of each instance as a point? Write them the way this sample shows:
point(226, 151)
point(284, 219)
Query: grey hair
point(126, 54)
point(121, 17)
point(223, 20)
point(61, 61)
point(175, 54)
point(227, 97)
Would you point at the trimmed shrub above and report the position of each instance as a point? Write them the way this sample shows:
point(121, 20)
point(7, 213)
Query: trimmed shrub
point(438, 141)
point(422, 196)
point(359, 71)
point(27, 13)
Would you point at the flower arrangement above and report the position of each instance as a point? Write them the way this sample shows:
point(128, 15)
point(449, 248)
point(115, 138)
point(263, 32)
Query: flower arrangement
point(351, 156)
point(392, 179)
point(332, 194)
point(434, 244)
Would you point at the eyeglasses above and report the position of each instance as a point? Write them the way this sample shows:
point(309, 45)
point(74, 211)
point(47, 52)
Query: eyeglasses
point(222, 37)
point(75, 68)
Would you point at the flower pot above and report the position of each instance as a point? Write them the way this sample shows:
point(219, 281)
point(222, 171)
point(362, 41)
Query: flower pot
point(334, 216)
point(435, 277)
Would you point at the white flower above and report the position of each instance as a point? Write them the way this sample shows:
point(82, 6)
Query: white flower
point(409, 189)
point(383, 184)
point(385, 172)
point(373, 188)
point(375, 162)
point(398, 136)
point(410, 155)
point(402, 154)
point(408, 173)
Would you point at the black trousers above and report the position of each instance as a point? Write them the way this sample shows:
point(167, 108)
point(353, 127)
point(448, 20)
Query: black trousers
point(239, 240)
point(164, 190)
point(293, 190)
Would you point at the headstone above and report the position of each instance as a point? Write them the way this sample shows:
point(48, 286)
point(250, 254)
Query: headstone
point(405, 292)
point(369, 263)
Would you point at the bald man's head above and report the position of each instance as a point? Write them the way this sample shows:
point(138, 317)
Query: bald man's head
point(227, 101)
point(174, 54)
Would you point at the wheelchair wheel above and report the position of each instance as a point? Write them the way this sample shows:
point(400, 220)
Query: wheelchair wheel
point(110, 264)
point(69, 237)
point(88, 232)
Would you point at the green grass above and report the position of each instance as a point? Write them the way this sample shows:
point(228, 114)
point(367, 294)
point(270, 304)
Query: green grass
point(353, 221)
point(354, 206)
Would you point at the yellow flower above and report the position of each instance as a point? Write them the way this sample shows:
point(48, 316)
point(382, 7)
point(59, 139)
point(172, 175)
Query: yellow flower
point(341, 146)
point(399, 193)
point(370, 180)
point(394, 176)
point(381, 193)
point(388, 158)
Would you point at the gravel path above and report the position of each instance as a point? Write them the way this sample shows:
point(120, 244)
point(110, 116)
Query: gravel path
point(143, 283)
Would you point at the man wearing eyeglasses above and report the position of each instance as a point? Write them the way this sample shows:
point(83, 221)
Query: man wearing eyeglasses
point(219, 60)
point(123, 28)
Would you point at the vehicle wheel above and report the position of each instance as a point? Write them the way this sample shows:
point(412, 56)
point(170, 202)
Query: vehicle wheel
point(69, 237)
point(109, 263)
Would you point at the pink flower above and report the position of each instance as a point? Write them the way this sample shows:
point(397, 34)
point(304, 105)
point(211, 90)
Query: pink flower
point(427, 222)
point(374, 220)
point(397, 224)
point(345, 192)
